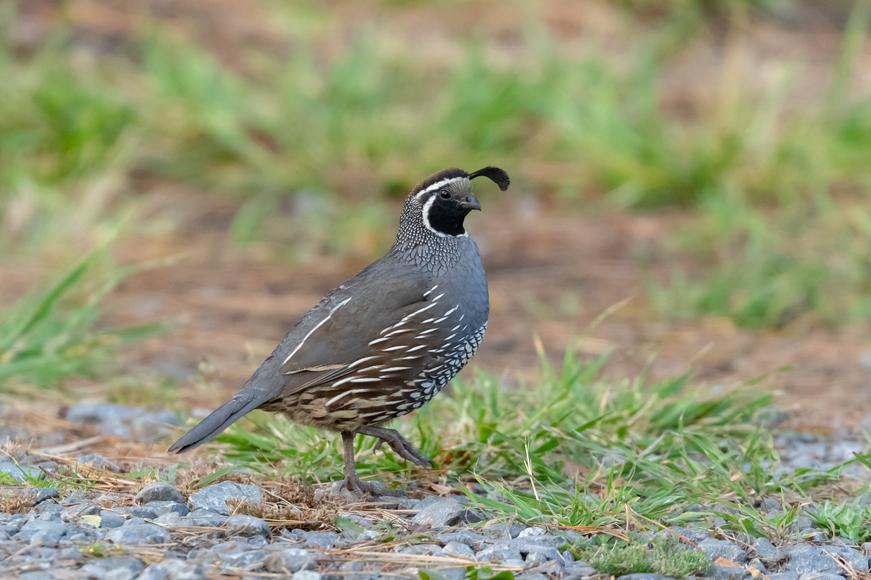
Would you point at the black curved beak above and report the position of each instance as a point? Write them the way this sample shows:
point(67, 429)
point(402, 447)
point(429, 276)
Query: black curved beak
point(471, 202)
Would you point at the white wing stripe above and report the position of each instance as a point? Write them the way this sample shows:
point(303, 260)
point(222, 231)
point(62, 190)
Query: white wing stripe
point(318, 325)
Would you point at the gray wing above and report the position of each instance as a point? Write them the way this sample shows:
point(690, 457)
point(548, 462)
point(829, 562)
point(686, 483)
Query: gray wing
point(325, 344)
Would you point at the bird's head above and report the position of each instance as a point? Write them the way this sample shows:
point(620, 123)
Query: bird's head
point(445, 198)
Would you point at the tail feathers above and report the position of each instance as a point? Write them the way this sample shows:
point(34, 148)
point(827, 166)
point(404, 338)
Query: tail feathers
point(221, 418)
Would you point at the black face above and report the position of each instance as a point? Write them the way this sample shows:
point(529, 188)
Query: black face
point(445, 211)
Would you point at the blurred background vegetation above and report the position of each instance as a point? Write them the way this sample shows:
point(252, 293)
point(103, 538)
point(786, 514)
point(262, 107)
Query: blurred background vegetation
point(742, 127)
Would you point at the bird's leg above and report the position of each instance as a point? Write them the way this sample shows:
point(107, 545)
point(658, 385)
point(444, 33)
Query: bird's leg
point(352, 481)
point(400, 445)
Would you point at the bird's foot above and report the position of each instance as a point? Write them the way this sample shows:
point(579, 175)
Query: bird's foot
point(353, 488)
point(400, 445)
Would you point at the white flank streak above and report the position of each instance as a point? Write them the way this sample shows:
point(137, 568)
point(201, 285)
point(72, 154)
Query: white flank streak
point(412, 357)
point(372, 368)
point(401, 346)
point(318, 325)
point(345, 394)
point(377, 340)
point(395, 332)
point(438, 185)
point(452, 310)
point(341, 382)
point(428, 292)
point(395, 369)
point(365, 380)
point(418, 347)
point(457, 327)
point(361, 360)
point(425, 332)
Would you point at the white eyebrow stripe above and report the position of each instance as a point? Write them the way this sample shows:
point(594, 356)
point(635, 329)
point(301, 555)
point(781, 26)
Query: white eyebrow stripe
point(438, 185)
point(318, 325)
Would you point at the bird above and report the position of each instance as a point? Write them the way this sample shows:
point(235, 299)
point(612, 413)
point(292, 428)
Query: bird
point(384, 342)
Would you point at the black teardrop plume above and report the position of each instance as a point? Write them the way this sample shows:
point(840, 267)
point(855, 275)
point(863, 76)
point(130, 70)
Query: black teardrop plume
point(494, 174)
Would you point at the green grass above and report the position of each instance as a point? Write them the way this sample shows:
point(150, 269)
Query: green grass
point(662, 555)
point(850, 519)
point(54, 334)
point(572, 449)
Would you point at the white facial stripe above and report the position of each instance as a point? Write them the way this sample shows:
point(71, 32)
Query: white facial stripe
point(426, 207)
point(438, 185)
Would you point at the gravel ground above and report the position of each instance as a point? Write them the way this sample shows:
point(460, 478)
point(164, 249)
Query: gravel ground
point(161, 533)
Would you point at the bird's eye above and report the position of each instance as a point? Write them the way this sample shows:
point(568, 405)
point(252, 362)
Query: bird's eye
point(444, 194)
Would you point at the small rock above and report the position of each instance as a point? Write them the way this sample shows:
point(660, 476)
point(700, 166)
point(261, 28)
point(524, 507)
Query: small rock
point(48, 538)
point(162, 507)
point(766, 551)
point(241, 525)
point(139, 534)
point(158, 491)
point(43, 494)
point(319, 540)
point(501, 552)
point(204, 519)
point(109, 519)
point(307, 575)
point(532, 532)
point(215, 497)
point(821, 576)
point(459, 550)
point(423, 549)
point(783, 576)
point(440, 514)
point(714, 549)
point(468, 537)
point(75, 512)
point(32, 527)
point(19, 472)
point(289, 560)
point(122, 568)
point(173, 569)
point(805, 558)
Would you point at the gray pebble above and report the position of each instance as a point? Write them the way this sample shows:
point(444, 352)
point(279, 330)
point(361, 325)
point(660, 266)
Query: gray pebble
point(242, 525)
point(49, 538)
point(19, 472)
point(439, 514)
point(29, 529)
point(112, 568)
point(109, 519)
point(468, 537)
point(714, 549)
point(289, 560)
point(459, 550)
point(783, 576)
point(424, 549)
point(319, 540)
point(215, 497)
point(307, 575)
point(75, 512)
point(158, 491)
point(766, 551)
point(204, 518)
point(805, 558)
point(162, 507)
point(173, 569)
point(501, 552)
point(821, 576)
point(139, 534)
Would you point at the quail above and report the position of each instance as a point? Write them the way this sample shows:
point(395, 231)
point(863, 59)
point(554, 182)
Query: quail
point(387, 340)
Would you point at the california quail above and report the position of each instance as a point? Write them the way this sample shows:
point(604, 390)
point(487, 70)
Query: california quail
point(385, 341)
